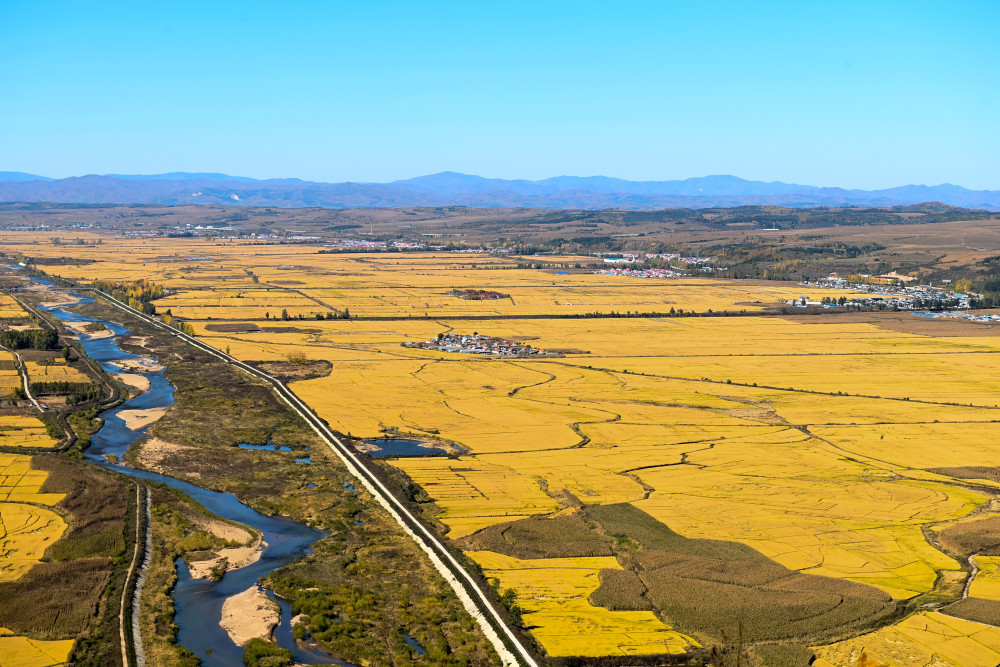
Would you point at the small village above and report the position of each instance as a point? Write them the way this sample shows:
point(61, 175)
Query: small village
point(641, 273)
point(478, 343)
point(954, 315)
point(888, 291)
point(680, 266)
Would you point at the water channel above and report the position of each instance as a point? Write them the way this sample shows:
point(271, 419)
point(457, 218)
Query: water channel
point(197, 602)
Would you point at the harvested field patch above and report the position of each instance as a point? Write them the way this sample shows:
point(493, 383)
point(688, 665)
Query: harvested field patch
point(971, 536)
point(697, 582)
point(561, 537)
point(991, 473)
point(64, 597)
point(976, 609)
point(286, 371)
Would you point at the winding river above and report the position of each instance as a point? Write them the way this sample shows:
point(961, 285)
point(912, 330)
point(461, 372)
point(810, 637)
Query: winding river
point(198, 602)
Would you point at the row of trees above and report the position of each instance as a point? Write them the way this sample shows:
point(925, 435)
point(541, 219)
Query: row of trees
point(75, 392)
point(344, 314)
point(34, 339)
point(138, 294)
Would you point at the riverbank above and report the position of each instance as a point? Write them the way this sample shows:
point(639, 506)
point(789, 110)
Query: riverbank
point(277, 541)
point(369, 584)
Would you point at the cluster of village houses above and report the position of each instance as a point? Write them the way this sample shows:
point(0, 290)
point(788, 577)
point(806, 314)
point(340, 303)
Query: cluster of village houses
point(477, 344)
point(635, 258)
point(364, 244)
point(619, 264)
point(888, 290)
point(641, 273)
point(972, 317)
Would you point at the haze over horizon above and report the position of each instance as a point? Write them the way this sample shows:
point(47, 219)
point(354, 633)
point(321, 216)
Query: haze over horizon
point(207, 174)
point(852, 96)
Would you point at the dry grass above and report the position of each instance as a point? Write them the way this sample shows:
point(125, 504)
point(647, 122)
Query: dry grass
point(707, 586)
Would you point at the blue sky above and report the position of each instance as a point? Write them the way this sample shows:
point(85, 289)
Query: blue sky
point(866, 94)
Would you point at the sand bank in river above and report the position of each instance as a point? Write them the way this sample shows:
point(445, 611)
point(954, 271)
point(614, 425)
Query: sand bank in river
point(134, 380)
point(58, 303)
point(138, 365)
point(234, 557)
point(137, 419)
point(81, 328)
point(250, 614)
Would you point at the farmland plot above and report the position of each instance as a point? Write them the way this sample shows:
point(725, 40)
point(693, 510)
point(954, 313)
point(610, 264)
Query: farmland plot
point(831, 468)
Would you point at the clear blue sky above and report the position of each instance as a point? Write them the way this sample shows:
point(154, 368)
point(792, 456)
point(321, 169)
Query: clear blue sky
point(856, 94)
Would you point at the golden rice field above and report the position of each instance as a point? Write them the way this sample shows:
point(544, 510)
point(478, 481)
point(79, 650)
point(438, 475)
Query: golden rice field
point(555, 593)
point(217, 281)
point(827, 446)
point(926, 638)
point(24, 431)
point(28, 526)
point(986, 584)
point(10, 309)
point(55, 372)
point(27, 529)
point(9, 375)
point(23, 652)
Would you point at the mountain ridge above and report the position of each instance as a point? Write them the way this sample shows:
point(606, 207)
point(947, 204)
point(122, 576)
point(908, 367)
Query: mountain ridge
point(455, 188)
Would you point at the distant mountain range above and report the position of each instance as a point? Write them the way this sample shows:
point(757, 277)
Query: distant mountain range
point(454, 189)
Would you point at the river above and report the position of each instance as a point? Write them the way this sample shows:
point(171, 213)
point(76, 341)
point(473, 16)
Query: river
point(197, 602)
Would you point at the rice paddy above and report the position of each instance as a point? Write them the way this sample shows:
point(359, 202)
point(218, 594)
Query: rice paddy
point(24, 431)
point(11, 309)
point(822, 451)
point(55, 372)
point(922, 639)
point(986, 584)
point(553, 593)
point(28, 526)
point(23, 652)
point(27, 529)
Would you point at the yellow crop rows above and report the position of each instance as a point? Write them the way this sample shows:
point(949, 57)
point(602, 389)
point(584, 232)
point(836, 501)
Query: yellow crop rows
point(24, 431)
point(10, 309)
point(986, 584)
point(555, 591)
point(926, 638)
point(54, 373)
point(826, 445)
point(27, 528)
point(23, 652)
